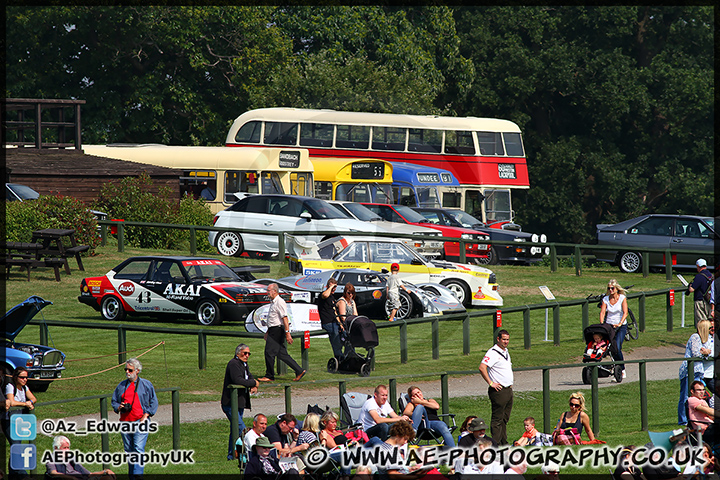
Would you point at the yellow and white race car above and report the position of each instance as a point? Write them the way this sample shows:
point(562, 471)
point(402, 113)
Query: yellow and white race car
point(472, 285)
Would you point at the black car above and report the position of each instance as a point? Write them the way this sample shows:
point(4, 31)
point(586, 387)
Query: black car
point(43, 363)
point(518, 253)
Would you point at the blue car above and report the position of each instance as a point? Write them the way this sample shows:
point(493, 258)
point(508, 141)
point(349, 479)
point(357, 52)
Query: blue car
point(44, 364)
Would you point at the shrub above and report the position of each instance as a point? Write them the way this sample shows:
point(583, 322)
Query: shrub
point(132, 200)
point(51, 211)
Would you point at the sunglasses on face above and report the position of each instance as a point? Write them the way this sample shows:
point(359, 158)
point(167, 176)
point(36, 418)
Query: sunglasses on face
point(245, 353)
point(129, 370)
point(573, 405)
point(23, 378)
point(611, 288)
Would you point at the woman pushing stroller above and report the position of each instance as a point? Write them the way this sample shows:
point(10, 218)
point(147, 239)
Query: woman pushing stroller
point(614, 311)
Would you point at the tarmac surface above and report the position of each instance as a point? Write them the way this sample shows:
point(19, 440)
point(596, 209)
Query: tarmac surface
point(271, 401)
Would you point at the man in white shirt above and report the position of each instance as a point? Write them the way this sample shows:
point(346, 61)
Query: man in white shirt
point(377, 415)
point(496, 369)
point(259, 426)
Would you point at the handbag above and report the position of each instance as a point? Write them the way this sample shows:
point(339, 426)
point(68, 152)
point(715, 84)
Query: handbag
point(569, 436)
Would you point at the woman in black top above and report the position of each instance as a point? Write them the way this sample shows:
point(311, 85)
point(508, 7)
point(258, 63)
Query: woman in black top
point(575, 418)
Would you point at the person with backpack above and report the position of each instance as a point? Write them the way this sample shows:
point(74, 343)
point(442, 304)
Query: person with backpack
point(700, 288)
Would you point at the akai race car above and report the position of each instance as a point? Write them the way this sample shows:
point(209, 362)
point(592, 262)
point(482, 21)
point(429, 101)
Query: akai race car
point(155, 285)
point(472, 285)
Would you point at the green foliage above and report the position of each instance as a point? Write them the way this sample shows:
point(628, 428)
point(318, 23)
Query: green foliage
point(51, 211)
point(132, 199)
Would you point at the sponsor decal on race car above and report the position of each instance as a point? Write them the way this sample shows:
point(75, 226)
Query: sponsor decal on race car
point(126, 289)
point(377, 294)
point(189, 263)
point(311, 271)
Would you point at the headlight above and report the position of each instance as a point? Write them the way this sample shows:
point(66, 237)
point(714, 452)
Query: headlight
point(466, 236)
point(518, 239)
point(492, 278)
point(543, 238)
point(535, 238)
point(547, 250)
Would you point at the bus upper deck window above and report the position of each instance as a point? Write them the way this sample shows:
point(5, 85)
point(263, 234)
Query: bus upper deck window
point(389, 138)
point(459, 142)
point(513, 145)
point(490, 143)
point(280, 133)
point(316, 134)
point(425, 140)
point(249, 133)
point(352, 136)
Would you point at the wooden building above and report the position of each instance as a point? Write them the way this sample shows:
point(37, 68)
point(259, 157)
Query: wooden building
point(75, 174)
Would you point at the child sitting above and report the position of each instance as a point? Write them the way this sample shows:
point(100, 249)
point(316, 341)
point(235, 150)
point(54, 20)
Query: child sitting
point(530, 437)
point(596, 348)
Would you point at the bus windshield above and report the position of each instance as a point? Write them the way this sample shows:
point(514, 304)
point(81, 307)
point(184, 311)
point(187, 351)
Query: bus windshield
point(428, 196)
point(364, 192)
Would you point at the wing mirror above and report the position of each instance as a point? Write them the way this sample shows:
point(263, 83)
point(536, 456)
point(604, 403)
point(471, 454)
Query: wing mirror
point(306, 216)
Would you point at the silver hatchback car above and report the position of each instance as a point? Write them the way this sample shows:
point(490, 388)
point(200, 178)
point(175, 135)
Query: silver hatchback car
point(682, 234)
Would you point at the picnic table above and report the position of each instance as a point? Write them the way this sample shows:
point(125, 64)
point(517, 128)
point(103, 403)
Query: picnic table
point(28, 256)
point(51, 240)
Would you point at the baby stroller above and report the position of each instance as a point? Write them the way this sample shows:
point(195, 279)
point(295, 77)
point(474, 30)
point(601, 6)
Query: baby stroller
point(609, 352)
point(359, 331)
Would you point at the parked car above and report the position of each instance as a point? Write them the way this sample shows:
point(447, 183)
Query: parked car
point(472, 285)
point(424, 299)
point(14, 192)
point(43, 363)
point(474, 252)
point(519, 253)
point(182, 286)
point(275, 214)
point(680, 233)
point(358, 211)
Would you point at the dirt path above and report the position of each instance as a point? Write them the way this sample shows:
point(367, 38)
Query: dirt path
point(273, 402)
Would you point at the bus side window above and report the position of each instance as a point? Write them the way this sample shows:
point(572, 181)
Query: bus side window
point(280, 133)
point(249, 133)
point(451, 200)
point(490, 143)
point(459, 142)
point(389, 138)
point(425, 140)
point(513, 145)
point(232, 186)
point(352, 136)
point(316, 134)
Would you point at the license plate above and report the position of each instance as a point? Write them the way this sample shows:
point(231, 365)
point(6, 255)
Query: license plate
point(47, 374)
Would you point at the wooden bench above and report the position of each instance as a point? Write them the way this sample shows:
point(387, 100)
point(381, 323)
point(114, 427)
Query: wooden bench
point(76, 251)
point(30, 263)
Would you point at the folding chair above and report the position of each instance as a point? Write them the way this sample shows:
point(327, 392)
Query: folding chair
point(425, 434)
point(351, 405)
point(241, 452)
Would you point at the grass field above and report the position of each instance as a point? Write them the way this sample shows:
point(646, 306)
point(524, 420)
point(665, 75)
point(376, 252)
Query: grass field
point(175, 362)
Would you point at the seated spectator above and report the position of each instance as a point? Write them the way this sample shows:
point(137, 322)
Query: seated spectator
point(463, 427)
point(330, 436)
point(264, 461)
point(571, 424)
point(625, 469)
point(477, 427)
point(72, 469)
point(465, 466)
point(401, 434)
point(420, 407)
point(700, 414)
point(257, 430)
point(309, 435)
point(531, 436)
point(706, 468)
point(377, 415)
point(281, 435)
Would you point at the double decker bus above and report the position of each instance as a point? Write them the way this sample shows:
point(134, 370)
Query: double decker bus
point(367, 180)
point(485, 155)
point(217, 173)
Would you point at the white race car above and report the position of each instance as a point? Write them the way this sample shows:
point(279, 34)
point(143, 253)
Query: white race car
point(471, 284)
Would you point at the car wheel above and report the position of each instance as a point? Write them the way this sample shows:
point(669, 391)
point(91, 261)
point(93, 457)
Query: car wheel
point(111, 308)
point(333, 365)
point(365, 370)
point(492, 258)
point(208, 313)
point(460, 290)
point(406, 307)
point(229, 244)
point(630, 262)
point(587, 375)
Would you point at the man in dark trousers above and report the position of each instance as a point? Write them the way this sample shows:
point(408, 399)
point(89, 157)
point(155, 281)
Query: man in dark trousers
point(237, 373)
point(496, 369)
point(277, 334)
point(698, 287)
point(328, 317)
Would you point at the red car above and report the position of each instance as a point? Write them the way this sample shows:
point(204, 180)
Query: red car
point(403, 214)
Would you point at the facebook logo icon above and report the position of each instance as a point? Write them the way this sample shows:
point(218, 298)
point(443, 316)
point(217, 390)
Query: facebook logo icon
point(23, 427)
point(23, 457)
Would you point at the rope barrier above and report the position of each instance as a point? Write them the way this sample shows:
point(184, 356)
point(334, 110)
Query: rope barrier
point(111, 354)
point(105, 370)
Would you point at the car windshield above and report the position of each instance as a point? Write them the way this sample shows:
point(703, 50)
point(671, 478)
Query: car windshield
point(362, 212)
point(465, 219)
point(711, 222)
point(322, 209)
point(410, 215)
point(22, 191)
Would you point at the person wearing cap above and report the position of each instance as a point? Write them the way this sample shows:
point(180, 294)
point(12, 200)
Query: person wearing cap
point(496, 369)
point(698, 288)
point(477, 428)
point(394, 284)
point(264, 461)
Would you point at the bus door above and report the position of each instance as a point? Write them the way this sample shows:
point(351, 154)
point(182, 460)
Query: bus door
point(497, 205)
point(301, 183)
